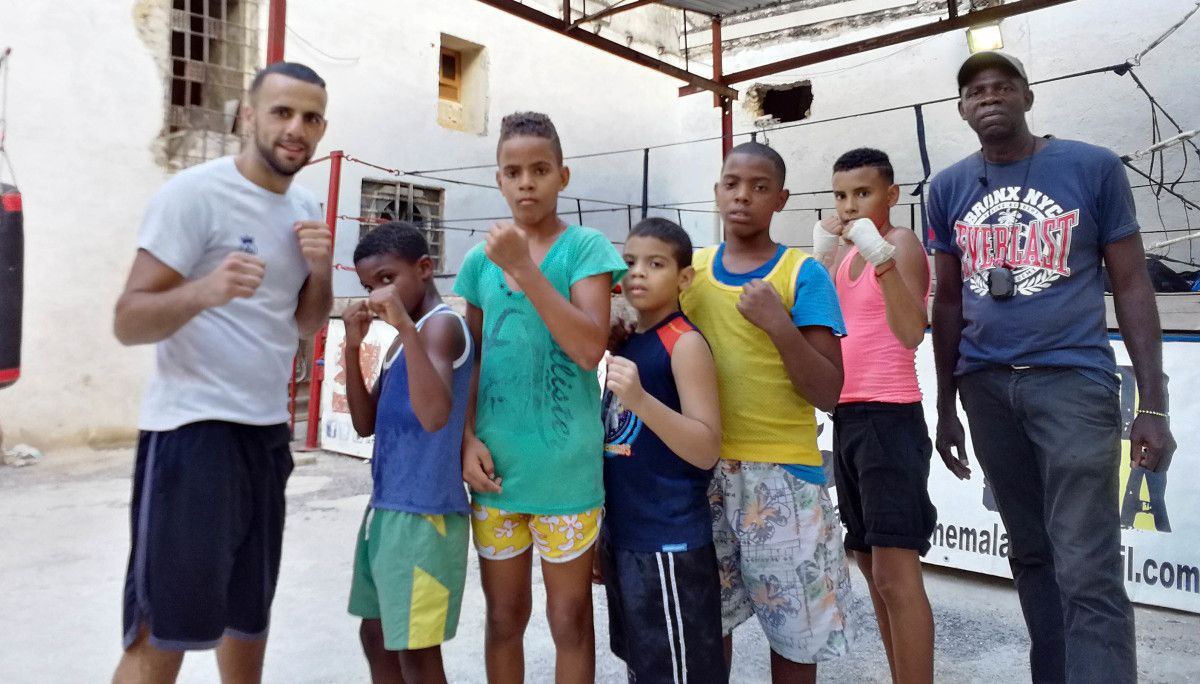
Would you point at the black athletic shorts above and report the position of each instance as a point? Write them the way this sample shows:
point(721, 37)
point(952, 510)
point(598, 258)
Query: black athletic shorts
point(207, 527)
point(664, 613)
point(882, 472)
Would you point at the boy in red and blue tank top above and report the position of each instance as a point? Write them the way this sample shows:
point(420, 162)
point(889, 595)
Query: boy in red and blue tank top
point(662, 423)
point(881, 443)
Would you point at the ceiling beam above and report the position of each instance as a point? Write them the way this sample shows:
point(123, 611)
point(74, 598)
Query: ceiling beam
point(612, 47)
point(959, 22)
point(609, 11)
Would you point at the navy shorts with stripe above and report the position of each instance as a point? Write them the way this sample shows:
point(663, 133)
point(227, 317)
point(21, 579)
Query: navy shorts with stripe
point(664, 613)
point(207, 528)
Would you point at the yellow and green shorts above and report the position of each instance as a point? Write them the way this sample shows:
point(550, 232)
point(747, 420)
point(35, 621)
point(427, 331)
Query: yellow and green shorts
point(409, 572)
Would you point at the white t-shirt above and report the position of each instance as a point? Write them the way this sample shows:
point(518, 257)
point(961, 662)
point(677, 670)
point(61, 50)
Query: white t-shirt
point(234, 362)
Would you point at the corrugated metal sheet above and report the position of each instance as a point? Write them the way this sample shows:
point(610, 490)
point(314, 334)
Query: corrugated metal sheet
point(721, 8)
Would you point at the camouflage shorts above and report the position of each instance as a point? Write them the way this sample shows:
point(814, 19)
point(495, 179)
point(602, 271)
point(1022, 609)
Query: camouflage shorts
point(780, 556)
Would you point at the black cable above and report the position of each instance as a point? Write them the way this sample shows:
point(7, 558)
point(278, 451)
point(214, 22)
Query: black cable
point(1155, 103)
point(1165, 189)
point(1116, 68)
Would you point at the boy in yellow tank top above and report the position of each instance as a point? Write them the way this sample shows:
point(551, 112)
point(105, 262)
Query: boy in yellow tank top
point(771, 316)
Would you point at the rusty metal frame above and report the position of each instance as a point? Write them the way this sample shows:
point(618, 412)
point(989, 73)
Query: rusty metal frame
point(606, 12)
point(954, 22)
point(563, 27)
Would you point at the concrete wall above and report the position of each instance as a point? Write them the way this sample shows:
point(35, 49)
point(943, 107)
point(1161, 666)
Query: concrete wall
point(383, 108)
point(1103, 109)
point(86, 108)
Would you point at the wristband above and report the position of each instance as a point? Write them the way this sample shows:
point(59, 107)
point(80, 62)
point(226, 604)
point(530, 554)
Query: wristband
point(888, 265)
point(1148, 412)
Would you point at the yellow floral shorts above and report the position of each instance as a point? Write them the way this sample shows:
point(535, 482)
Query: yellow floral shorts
point(500, 535)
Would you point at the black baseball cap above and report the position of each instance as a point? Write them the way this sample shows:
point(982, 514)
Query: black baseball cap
point(986, 60)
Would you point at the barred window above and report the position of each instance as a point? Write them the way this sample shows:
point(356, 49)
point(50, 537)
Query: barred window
point(214, 53)
point(396, 200)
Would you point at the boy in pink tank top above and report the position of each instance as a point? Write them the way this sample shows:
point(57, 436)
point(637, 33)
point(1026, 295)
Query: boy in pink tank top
point(880, 442)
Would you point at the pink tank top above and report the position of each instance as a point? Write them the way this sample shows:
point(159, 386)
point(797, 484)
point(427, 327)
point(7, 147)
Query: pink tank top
point(877, 366)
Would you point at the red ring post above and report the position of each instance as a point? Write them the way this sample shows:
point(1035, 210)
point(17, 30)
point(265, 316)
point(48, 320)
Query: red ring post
point(318, 362)
point(276, 28)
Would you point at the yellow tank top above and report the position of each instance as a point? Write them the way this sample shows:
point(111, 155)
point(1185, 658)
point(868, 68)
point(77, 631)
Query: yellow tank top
point(763, 418)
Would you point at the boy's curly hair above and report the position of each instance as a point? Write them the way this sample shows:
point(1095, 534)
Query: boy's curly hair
point(531, 124)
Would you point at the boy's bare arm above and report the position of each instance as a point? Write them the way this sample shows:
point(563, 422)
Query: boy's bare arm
point(904, 287)
point(579, 325)
point(812, 355)
point(158, 301)
point(363, 404)
point(430, 355)
point(479, 471)
point(694, 432)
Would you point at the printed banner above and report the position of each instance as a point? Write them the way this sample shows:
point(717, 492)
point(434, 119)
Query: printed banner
point(1160, 512)
point(337, 431)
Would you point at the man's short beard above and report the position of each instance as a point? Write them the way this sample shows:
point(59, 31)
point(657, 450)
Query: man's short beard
point(267, 152)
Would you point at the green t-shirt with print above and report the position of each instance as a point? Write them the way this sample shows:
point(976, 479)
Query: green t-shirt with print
point(538, 412)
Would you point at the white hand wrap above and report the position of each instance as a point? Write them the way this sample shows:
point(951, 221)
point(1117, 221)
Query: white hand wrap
point(825, 243)
point(869, 242)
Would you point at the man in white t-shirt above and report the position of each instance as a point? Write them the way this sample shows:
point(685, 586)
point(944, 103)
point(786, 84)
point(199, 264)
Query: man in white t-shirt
point(233, 266)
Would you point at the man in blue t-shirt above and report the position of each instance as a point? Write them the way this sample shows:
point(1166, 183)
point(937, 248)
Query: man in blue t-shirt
point(1026, 225)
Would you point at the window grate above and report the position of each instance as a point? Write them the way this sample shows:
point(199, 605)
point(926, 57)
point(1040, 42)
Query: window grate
point(213, 55)
point(420, 205)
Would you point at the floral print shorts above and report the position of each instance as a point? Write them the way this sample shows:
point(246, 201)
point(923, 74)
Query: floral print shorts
point(500, 535)
point(780, 558)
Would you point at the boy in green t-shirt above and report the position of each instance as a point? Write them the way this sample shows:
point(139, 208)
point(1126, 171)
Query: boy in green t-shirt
point(538, 308)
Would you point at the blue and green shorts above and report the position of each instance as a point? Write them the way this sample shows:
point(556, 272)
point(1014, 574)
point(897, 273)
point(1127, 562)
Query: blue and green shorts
point(409, 572)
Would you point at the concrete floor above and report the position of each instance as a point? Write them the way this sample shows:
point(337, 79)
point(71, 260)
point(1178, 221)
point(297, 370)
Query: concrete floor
point(64, 539)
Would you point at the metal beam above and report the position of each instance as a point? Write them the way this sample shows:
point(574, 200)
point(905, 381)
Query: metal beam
point(587, 37)
point(609, 11)
point(962, 21)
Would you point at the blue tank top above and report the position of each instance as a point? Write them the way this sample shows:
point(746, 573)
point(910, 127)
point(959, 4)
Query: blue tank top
point(654, 500)
point(417, 471)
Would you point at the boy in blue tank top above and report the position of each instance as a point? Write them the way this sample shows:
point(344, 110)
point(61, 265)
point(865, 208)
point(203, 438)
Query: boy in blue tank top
point(662, 438)
point(411, 561)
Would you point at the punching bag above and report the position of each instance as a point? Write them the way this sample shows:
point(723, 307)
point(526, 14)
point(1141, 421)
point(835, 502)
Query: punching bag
point(12, 257)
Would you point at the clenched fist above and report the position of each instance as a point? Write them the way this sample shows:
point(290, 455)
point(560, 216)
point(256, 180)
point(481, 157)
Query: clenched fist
point(760, 304)
point(507, 247)
point(358, 321)
point(239, 275)
point(316, 244)
point(622, 379)
point(388, 305)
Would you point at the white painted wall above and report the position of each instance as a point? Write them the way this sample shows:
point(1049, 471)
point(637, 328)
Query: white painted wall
point(85, 106)
point(1102, 109)
point(383, 105)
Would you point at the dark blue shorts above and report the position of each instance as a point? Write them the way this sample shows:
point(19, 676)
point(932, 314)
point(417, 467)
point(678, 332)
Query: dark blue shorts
point(207, 527)
point(664, 613)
